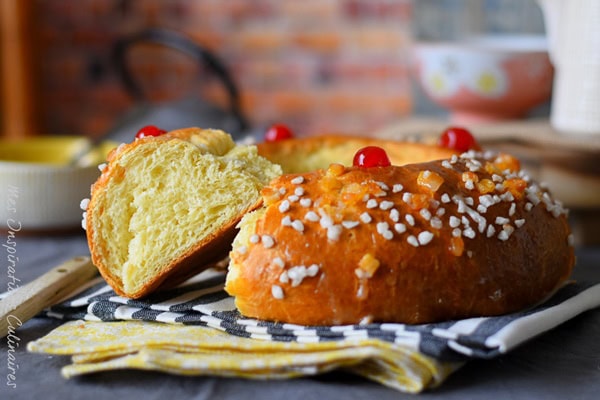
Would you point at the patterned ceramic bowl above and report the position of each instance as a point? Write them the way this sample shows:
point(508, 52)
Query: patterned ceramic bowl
point(486, 78)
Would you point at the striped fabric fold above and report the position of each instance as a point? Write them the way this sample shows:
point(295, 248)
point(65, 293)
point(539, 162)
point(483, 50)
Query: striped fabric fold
point(203, 301)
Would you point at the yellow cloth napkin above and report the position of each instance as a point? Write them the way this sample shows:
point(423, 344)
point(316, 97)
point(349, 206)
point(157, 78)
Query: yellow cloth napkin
point(197, 350)
point(195, 329)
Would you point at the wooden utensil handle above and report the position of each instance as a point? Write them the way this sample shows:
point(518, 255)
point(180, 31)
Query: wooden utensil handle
point(27, 301)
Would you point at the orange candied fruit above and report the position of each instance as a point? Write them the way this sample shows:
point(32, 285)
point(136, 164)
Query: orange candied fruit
point(492, 168)
point(270, 195)
point(353, 193)
point(335, 170)
point(486, 186)
point(456, 246)
point(507, 162)
point(516, 186)
point(419, 201)
point(369, 264)
point(430, 180)
point(330, 184)
point(470, 176)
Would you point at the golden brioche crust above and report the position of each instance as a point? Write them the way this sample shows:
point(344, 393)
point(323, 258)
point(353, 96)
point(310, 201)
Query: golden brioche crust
point(462, 237)
point(317, 152)
point(204, 249)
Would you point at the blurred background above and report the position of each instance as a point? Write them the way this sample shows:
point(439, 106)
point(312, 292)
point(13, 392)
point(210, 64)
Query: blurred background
point(316, 65)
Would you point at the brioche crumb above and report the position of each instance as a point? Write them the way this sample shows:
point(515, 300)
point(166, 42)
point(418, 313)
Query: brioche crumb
point(161, 197)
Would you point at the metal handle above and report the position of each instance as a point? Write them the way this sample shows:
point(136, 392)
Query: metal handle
point(184, 44)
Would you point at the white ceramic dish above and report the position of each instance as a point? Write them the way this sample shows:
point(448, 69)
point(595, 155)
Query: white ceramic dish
point(39, 190)
point(43, 197)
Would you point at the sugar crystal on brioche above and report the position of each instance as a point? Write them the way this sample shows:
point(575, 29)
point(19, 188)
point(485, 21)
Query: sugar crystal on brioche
point(470, 235)
point(166, 206)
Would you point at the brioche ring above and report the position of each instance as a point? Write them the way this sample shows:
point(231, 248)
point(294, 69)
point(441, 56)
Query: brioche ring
point(467, 236)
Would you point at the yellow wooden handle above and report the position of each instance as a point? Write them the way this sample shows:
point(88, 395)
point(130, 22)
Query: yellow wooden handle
point(27, 301)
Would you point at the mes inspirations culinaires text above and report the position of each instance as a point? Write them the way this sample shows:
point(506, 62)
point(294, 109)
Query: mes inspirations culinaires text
point(10, 245)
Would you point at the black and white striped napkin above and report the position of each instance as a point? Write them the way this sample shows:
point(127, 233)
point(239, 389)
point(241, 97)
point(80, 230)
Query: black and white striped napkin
point(203, 301)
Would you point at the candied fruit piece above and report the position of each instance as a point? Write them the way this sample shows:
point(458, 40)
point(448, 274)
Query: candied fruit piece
point(470, 176)
point(270, 195)
point(456, 246)
point(507, 162)
point(492, 169)
point(430, 180)
point(516, 186)
point(419, 201)
point(486, 186)
point(369, 265)
point(335, 170)
point(330, 184)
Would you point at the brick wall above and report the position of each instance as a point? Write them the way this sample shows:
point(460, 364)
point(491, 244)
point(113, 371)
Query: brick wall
point(317, 65)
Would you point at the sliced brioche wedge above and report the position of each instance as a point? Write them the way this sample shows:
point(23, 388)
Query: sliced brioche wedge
point(166, 207)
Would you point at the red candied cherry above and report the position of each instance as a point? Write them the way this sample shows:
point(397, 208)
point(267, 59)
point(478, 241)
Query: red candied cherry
point(149, 130)
point(371, 156)
point(459, 139)
point(278, 132)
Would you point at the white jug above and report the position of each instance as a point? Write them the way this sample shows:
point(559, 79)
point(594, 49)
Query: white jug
point(573, 29)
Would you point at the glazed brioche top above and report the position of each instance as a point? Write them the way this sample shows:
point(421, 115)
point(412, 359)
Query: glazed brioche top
point(347, 196)
point(437, 227)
